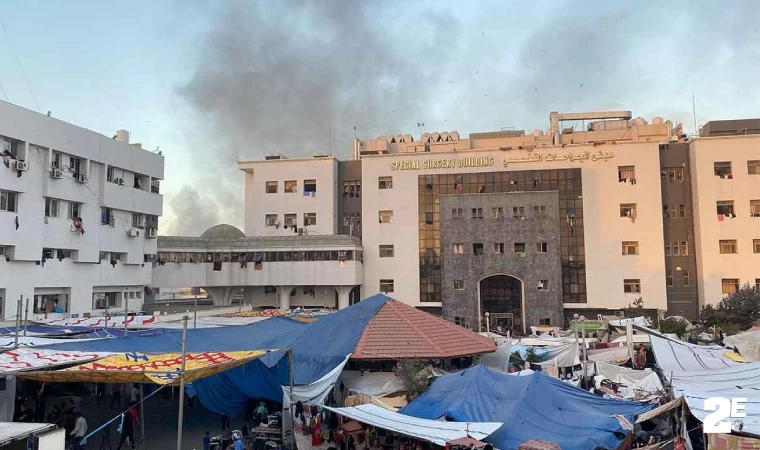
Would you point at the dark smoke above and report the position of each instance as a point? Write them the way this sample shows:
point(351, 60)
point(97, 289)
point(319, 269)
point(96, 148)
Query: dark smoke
point(275, 76)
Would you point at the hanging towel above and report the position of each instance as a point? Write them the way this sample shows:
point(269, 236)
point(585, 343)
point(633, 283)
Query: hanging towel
point(217, 266)
point(721, 217)
point(17, 222)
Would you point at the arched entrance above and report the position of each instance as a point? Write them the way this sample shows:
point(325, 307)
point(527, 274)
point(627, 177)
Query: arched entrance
point(502, 297)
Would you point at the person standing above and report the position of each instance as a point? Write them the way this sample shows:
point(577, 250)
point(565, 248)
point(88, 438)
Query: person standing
point(80, 429)
point(225, 423)
point(134, 395)
point(116, 398)
point(206, 441)
point(238, 439)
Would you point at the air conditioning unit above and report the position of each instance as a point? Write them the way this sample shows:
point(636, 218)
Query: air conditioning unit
point(56, 173)
point(133, 232)
point(21, 165)
point(151, 232)
point(81, 178)
point(300, 231)
point(120, 181)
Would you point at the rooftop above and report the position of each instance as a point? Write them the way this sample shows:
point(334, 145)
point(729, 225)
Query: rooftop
point(256, 243)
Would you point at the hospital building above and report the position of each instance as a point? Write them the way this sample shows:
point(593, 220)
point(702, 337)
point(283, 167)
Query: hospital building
point(531, 227)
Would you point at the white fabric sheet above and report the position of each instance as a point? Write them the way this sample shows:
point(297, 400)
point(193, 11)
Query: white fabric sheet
point(682, 356)
point(748, 344)
point(565, 356)
point(643, 380)
point(610, 355)
point(633, 320)
point(375, 384)
point(435, 431)
point(28, 341)
point(499, 359)
point(207, 322)
point(23, 359)
point(114, 320)
point(738, 381)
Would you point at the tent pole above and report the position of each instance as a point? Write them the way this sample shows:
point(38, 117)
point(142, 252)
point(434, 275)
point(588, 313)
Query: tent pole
point(195, 313)
point(26, 316)
point(182, 384)
point(18, 319)
point(291, 411)
point(142, 415)
point(126, 305)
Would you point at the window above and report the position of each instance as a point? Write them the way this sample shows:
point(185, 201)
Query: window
point(672, 174)
point(539, 210)
point(519, 247)
point(626, 174)
point(352, 188)
point(545, 322)
point(309, 187)
point(138, 220)
point(477, 249)
point(684, 248)
point(2, 251)
point(51, 207)
point(725, 208)
point(386, 286)
point(497, 213)
point(632, 286)
point(666, 211)
point(518, 212)
point(753, 167)
point(498, 247)
point(628, 210)
point(309, 219)
point(457, 213)
point(729, 285)
point(107, 217)
point(669, 278)
point(675, 249)
point(681, 211)
point(477, 213)
point(458, 285)
point(757, 285)
point(386, 251)
point(8, 201)
point(727, 246)
point(271, 187)
point(386, 216)
point(542, 247)
point(756, 245)
point(429, 218)
point(458, 249)
point(630, 248)
point(723, 169)
point(667, 249)
point(291, 220)
point(385, 182)
point(754, 208)
point(685, 278)
point(291, 186)
point(115, 175)
point(75, 164)
point(74, 210)
point(270, 220)
point(138, 182)
point(543, 285)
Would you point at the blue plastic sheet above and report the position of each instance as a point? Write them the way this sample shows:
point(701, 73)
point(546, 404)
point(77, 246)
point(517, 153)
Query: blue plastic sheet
point(532, 407)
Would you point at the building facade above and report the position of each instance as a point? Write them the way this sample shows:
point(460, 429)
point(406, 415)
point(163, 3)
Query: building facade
point(78, 217)
point(597, 212)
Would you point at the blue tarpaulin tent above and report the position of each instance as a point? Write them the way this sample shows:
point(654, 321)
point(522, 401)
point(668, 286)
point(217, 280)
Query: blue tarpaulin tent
point(317, 348)
point(532, 407)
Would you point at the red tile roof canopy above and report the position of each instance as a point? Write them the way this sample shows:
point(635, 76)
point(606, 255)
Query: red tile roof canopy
point(399, 331)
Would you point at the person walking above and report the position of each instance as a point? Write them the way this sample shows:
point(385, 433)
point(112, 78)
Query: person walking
point(128, 424)
point(116, 396)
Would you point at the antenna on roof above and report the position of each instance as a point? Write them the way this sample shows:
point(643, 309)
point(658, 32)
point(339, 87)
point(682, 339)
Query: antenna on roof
point(694, 112)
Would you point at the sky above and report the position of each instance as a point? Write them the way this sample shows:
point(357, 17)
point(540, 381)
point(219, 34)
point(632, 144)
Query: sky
point(211, 83)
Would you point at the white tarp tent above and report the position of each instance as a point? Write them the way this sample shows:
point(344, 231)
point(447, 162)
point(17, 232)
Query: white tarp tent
point(612, 355)
point(622, 323)
point(208, 322)
point(435, 431)
point(499, 359)
point(8, 342)
point(645, 381)
point(375, 384)
point(738, 381)
point(23, 359)
point(681, 356)
point(748, 344)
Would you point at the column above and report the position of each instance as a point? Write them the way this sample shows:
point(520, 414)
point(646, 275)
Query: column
point(344, 293)
point(283, 293)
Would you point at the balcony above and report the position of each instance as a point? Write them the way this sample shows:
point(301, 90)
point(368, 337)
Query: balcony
point(127, 198)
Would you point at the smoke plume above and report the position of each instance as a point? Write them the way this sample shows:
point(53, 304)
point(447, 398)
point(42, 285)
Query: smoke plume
point(300, 77)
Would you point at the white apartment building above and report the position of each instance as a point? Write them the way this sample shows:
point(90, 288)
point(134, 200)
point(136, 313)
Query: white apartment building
point(78, 217)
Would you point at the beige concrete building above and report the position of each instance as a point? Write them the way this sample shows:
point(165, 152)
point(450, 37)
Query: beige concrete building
point(599, 210)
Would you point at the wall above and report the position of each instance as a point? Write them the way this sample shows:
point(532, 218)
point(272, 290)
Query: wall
point(258, 203)
point(604, 228)
point(708, 189)
point(682, 300)
point(507, 230)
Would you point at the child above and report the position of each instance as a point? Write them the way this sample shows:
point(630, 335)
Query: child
point(206, 441)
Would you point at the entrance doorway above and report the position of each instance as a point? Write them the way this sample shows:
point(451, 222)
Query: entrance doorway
point(501, 297)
